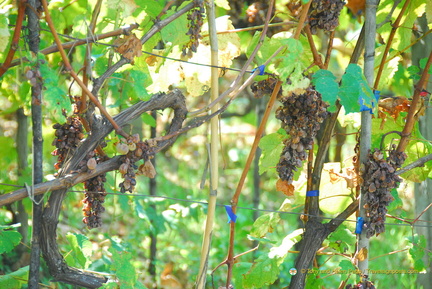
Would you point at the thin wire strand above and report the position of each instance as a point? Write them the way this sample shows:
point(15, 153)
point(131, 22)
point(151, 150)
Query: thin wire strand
point(249, 208)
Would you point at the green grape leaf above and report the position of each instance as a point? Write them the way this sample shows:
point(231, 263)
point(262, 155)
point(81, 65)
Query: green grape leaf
point(324, 82)
point(16, 279)
point(174, 32)
point(264, 271)
point(397, 201)
point(4, 32)
point(140, 82)
point(8, 240)
point(414, 151)
point(313, 281)
point(269, 46)
point(341, 239)
point(124, 270)
point(239, 270)
point(271, 146)
point(264, 224)
point(82, 249)
point(345, 267)
point(55, 96)
point(148, 119)
point(414, 72)
point(354, 92)
point(151, 8)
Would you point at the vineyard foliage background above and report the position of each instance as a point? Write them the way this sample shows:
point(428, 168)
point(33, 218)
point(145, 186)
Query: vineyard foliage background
point(152, 237)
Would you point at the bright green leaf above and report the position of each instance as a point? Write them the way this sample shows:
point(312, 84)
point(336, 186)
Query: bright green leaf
point(264, 224)
point(8, 240)
point(264, 271)
point(124, 270)
point(239, 270)
point(314, 282)
point(342, 239)
point(82, 248)
point(271, 146)
point(354, 90)
point(148, 119)
point(17, 279)
point(324, 82)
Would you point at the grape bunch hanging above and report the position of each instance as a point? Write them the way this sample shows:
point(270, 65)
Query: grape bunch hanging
point(324, 14)
point(379, 178)
point(195, 17)
point(67, 138)
point(301, 116)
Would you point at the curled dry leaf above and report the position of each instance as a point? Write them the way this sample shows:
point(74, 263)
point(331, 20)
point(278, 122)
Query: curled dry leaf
point(284, 187)
point(362, 254)
point(91, 164)
point(349, 175)
point(147, 169)
point(129, 47)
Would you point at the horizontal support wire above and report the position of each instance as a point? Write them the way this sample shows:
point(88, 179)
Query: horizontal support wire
point(223, 206)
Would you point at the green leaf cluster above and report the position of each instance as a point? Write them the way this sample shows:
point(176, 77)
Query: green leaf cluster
point(353, 93)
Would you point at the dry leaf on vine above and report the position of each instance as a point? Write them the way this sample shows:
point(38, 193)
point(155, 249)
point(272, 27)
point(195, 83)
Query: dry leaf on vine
point(129, 47)
point(284, 187)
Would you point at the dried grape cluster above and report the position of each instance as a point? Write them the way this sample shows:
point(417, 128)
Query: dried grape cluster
point(195, 17)
point(68, 136)
point(379, 178)
point(301, 116)
point(94, 198)
point(264, 87)
point(324, 14)
point(133, 150)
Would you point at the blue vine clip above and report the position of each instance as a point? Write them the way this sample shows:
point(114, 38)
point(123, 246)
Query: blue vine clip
point(314, 193)
point(359, 225)
point(261, 69)
point(231, 216)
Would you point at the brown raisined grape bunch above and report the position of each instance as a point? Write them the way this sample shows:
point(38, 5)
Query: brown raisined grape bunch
point(301, 116)
point(136, 150)
point(324, 14)
point(379, 179)
point(94, 198)
point(67, 138)
point(195, 17)
point(264, 87)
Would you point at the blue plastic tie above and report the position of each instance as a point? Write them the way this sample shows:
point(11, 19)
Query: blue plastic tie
point(359, 225)
point(314, 193)
point(231, 216)
point(261, 69)
point(365, 107)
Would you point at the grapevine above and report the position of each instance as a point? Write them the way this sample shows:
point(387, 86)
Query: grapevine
point(301, 116)
point(379, 178)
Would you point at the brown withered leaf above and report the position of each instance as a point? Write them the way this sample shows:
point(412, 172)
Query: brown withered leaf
point(362, 254)
point(129, 46)
point(147, 169)
point(284, 187)
point(349, 175)
point(334, 177)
